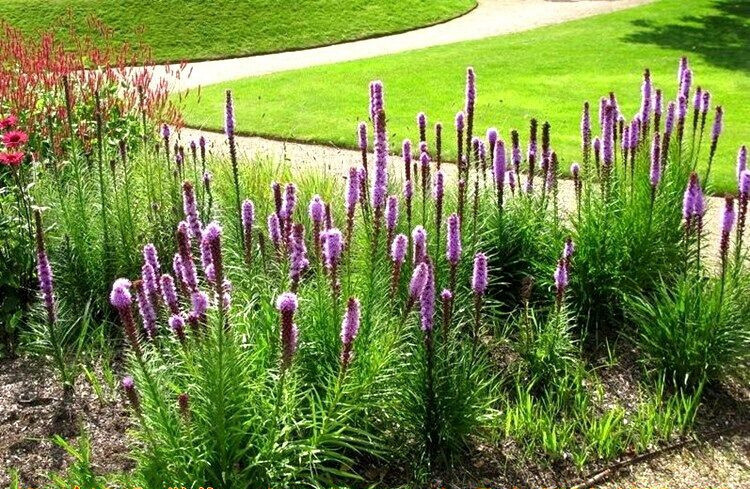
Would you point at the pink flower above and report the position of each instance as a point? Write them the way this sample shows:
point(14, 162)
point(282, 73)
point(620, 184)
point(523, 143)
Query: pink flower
point(8, 123)
point(11, 159)
point(14, 139)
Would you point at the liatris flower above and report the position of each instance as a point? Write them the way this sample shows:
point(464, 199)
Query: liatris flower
point(362, 143)
point(657, 109)
point(419, 237)
point(349, 330)
point(248, 219)
point(332, 247)
point(715, 133)
point(646, 88)
point(277, 198)
point(191, 209)
point(693, 206)
point(178, 271)
point(177, 325)
point(398, 255)
point(479, 277)
point(586, 133)
point(697, 99)
point(471, 97)
point(417, 284)
point(229, 115)
point(575, 170)
point(128, 385)
point(705, 105)
point(298, 262)
point(597, 153)
point(286, 304)
point(212, 238)
point(422, 124)
point(183, 402)
point(438, 192)
point(687, 81)
point(681, 69)
point(316, 211)
point(376, 99)
point(165, 132)
point(391, 216)
point(727, 223)
point(492, 139)
point(516, 156)
point(608, 137)
point(438, 144)
point(148, 275)
point(148, 315)
point(44, 272)
point(199, 304)
point(625, 144)
point(655, 175)
point(408, 194)
point(329, 216)
point(380, 182)
point(512, 182)
point(479, 287)
point(459, 124)
point(744, 198)
point(568, 249)
point(406, 154)
point(207, 261)
point(446, 299)
point(424, 160)
point(169, 293)
point(352, 196)
point(561, 281)
point(186, 258)
point(151, 257)
point(274, 231)
point(741, 163)
point(427, 300)
point(681, 113)
point(498, 168)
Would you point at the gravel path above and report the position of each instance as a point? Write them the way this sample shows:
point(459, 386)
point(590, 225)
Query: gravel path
point(490, 18)
point(336, 162)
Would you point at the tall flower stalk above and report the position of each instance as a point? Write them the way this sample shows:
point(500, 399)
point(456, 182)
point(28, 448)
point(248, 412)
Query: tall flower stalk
point(479, 282)
point(229, 124)
point(398, 256)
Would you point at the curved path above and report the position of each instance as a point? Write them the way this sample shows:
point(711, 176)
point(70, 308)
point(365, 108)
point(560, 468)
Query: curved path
point(489, 18)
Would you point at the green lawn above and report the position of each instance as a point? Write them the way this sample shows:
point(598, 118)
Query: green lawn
point(545, 73)
point(203, 29)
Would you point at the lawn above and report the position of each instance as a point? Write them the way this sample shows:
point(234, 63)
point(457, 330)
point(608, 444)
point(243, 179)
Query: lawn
point(545, 73)
point(209, 29)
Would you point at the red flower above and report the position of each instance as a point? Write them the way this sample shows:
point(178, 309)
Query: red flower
point(11, 159)
point(14, 139)
point(8, 122)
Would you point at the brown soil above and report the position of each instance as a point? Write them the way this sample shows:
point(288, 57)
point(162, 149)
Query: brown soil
point(33, 411)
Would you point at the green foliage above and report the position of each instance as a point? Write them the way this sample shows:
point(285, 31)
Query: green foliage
point(222, 28)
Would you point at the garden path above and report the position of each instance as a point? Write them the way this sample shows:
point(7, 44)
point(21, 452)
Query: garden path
point(489, 18)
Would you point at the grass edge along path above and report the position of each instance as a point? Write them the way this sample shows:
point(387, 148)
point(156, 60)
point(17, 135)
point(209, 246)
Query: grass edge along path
point(221, 29)
point(519, 76)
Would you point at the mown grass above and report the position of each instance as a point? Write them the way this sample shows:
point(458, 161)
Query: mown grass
point(200, 29)
point(545, 73)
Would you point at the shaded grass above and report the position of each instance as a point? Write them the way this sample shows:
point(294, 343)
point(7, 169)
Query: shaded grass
point(198, 29)
point(545, 73)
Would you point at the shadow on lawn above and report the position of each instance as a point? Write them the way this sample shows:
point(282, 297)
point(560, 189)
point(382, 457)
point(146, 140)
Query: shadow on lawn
point(721, 38)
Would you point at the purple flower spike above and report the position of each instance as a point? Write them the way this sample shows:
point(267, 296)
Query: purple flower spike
point(398, 248)
point(655, 175)
point(479, 277)
point(120, 296)
point(128, 385)
point(745, 183)
point(669, 123)
point(286, 304)
point(471, 90)
point(406, 154)
point(44, 271)
point(248, 216)
point(362, 136)
point(422, 124)
point(498, 163)
point(453, 251)
point(177, 325)
point(460, 122)
point(349, 330)
point(492, 136)
point(148, 315)
point(290, 202)
point(419, 237)
point(316, 209)
point(151, 257)
point(418, 280)
point(718, 125)
point(438, 190)
point(332, 248)
point(229, 116)
point(706, 103)
point(274, 230)
point(727, 223)
point(646, 89)
point(741, 162)
point(427, 301)
point(169, 293)
point(391, 214)
point(190, 207)
point(298, 262)
point(561, 280)
point(148, 275)
point(352, 192)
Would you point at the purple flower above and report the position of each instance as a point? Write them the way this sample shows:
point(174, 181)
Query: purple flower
point(229, 116)
point(438, 189)
point(120, 296)
point(669, 123)
point(286, 304)
point(128, 385)
point(492, 137)
point(453, 251)
point(169, 293)
point(177, 325)
point(316, 210)
point(406, 154)
point(151, 257)
point(706, 103)
point(376, 99)
point(199, 303)
point(718, 125)
point(681, 68)
point(626, 138)
point(697, 99)
point(418, 281)
point(186, 258)
point(419, 237)
point(586, 126)
point(479, 277)
point(568, 250)
point(362, 136)
point(687, 80)
point(290, 202)
point(422, 124)
point(349, 329)
point(148, 315)
point(575, 170)
point(498, 163)
point(398, 248)
point(212, 240)
point(460, 121)
point(352, 191)
point(148, 275)
point(727, 223)
point(561, 279)
point(741, 162)
point(391, 213)
point(655, 176)
point(298, 254)
point(608, 136)
point(191, 209)
point(646, 96)
point(165, 132)
point(274, 230)
point(408, 190)
point(332, 247)
point(248, 217)
point(471, 91)
point(427, 300)
point(745, 183)
point(681, 108)
point(693, 204)
point(657, 103)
